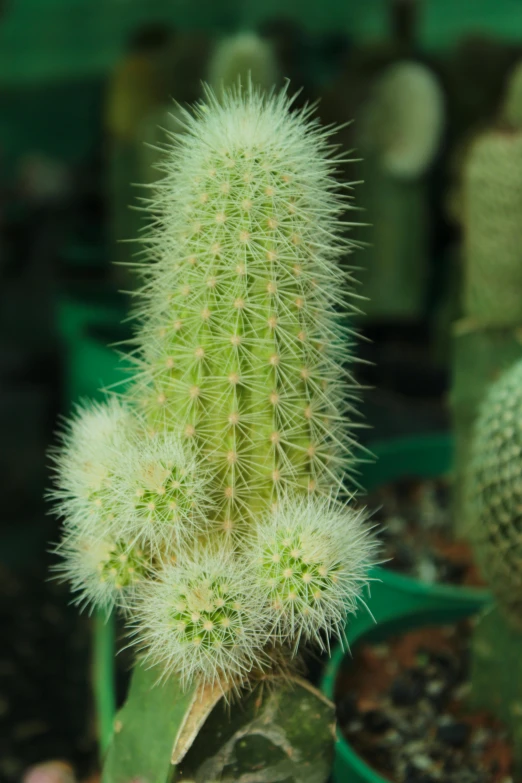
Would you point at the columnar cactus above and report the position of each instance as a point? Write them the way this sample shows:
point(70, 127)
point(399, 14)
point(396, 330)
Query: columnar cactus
point(399, 134)
point(243, 347)
point(494, 497)
point(495, 473)
point(208, 503)
point(492, 200)
point(403, 120)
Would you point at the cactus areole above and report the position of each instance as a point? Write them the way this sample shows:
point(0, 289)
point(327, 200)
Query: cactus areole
point(209, 501)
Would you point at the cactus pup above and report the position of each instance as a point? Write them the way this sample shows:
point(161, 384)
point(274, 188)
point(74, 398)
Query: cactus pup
point(222, 480)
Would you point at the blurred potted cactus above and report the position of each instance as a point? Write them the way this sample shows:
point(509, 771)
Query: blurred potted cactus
point(488, 337)
point(245, 56)
point(208, 502)
point(487, 340)
point(137, 86)
point(399, 135)
point(493, 494)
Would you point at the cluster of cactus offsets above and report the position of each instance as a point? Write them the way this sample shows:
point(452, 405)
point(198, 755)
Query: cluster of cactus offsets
point(404, 119)
point(495, 490)
point(209, 499)
point(492, 203)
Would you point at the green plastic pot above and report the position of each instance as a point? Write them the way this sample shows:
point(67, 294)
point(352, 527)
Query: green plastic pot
point(394, 595)
point(90, 364)
point(348, 766)
point(82, 305)
point(398, 603)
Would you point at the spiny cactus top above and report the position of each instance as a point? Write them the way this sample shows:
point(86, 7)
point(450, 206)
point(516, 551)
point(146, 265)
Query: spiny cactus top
point(495, 489)
point(217, 522)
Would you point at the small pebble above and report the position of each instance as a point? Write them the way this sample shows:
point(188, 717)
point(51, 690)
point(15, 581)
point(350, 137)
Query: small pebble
point(422, 762)
point(479, 738)
point(435, 687)
point(414, 775)
point(427, 571)
point(405, 691)
point(376, 721)
point(454, 734)
point(347, 709)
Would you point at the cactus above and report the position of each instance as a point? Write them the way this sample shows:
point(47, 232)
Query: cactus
point(493, 233)
point(217, 516)
point(494, 495)
point(400, 131)
point(242, 343)
point(495, 469)
point(134, 89)
point(403, 120)
point(243, 56)
point(488, 339)
point(479, 356)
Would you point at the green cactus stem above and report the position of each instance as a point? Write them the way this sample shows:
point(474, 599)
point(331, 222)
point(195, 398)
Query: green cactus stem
point(281, 730)
point(494, 488)
point(492, 203)
point(243, 339)
point(479, 356)
point(495, 511)
point(399, 134)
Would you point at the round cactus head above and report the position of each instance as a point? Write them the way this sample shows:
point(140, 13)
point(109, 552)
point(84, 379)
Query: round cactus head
point(495, 493)
point(103, 572)
point(202, 617)
point(311, 558)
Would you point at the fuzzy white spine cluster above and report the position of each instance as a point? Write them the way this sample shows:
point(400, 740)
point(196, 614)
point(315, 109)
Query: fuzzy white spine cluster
point(222, 490)
point(311, 557)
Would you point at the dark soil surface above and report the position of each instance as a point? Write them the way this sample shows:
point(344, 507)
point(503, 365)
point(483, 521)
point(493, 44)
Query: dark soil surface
point(45, 702)
point(403, 707)
point(416, 527)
